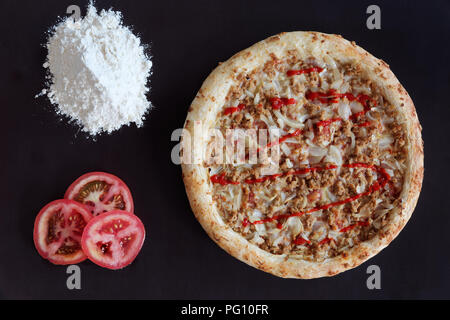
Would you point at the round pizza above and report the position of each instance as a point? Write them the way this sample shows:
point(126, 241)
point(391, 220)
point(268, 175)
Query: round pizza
point(302, 155)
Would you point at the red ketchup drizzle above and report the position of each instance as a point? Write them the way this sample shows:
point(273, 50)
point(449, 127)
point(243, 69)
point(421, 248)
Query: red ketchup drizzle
point(363, 124)
point(352, 226)
point(265, 178)
point(291, 73)
point(325, 240)
point(325, 123)
point(277, 103)
point(221, 180)
point(300, 241)
point(332, 96)
point(283, 138)
point(231, 110)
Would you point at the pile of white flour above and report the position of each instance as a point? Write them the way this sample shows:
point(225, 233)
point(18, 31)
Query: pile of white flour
point(98, 72)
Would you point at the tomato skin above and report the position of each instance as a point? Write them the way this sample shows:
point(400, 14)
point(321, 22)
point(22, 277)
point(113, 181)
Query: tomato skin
point(96, 227)
point(73, 189)
point(37, 228)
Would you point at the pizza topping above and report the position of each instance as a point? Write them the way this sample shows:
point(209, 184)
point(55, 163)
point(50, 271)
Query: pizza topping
point(316, 194)
point(341, 163)
point(220, 178)
point(291, 73)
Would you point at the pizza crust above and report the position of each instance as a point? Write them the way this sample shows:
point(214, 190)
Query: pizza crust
point(211, 98)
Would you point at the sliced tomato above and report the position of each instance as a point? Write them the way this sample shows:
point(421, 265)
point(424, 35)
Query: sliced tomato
point(101, 192)
point(58, 229)
point(113, 239)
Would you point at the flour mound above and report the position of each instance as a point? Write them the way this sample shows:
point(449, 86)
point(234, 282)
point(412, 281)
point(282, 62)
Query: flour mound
point(98, 72)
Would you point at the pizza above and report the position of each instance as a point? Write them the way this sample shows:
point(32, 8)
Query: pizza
point(338, 174)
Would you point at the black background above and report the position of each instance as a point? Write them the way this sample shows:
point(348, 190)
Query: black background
point(41, 155)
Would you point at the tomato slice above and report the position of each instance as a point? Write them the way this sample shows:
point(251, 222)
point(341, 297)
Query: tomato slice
point(100, 192)
point(113, 240)
point(58, 229)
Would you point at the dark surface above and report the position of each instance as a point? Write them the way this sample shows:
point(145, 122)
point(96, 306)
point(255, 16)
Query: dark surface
point(42, 155)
